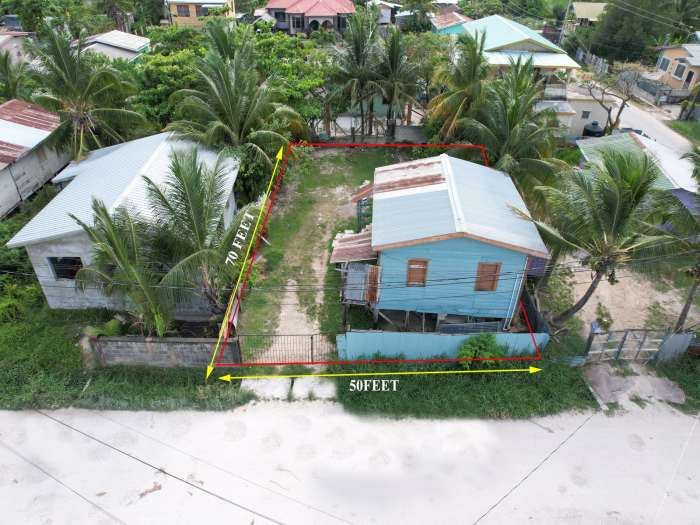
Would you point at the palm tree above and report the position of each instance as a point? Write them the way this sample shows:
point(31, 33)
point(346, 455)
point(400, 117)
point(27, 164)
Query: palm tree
point(519, 139)
point(421, 10)
point(680, 229)
point(397, 77)
point(233, 110)
point(11, 75)
point(463, 82)
point(120, 264)
point(88, 99)
point(226, 38)
point(356, 61)
point(188, 211)
point(599, 215)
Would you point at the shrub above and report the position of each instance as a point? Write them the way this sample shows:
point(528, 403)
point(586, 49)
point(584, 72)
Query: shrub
point(480, 346)
point(603, 317)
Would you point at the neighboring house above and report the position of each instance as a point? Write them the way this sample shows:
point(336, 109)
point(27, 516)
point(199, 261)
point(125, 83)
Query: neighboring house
point(448, 23)
point(574, 113)
point(679, 66)
point(58, 247)
point(296, 16)
point(26, 162)
point(259, 15)
point(446, 242)
point(118, 44)
point(676, 173)
point(584, 14)
point(386, 11)
point(13, 41)
point(190, 12)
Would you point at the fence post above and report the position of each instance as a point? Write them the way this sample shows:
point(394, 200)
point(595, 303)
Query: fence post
point(622, 343)
point(312, 348)
point(641, 344)
point(589, 342)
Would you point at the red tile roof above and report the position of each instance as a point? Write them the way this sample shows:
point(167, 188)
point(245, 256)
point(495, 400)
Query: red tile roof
point(449, 19)
point(29, 115)
point(313, 7)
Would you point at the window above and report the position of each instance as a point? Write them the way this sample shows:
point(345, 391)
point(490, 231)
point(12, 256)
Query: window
point(417, 272)
point(201, 10)
point(296, 22)
point(279, 16)
point(679, 71)
point(342, 23)
point(664, 63)
point(487, 277)
point(65, 267)
point(183, 10)
point(585, 114)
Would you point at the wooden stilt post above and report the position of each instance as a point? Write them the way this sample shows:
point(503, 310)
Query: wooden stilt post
point(423, 322)
point(405, 321)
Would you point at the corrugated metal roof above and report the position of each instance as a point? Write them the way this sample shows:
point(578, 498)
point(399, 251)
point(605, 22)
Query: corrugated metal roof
point(470, 201)
point(589, 10)
point(502, 32)
point(448, 19)
point(22, 127)
point(353, 247)
point(504, 58)
point(675, 172)
point(121, 40)
point(115, 178)
point(112, 51)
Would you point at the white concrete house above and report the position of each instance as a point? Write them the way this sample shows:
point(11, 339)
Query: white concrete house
point(26, 162)
point(58, 247)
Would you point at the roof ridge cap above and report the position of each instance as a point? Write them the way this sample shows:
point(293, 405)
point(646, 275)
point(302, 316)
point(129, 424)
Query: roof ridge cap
point(457, 213)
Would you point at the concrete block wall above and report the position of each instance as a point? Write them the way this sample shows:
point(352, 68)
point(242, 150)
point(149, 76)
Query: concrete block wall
point(165, 352)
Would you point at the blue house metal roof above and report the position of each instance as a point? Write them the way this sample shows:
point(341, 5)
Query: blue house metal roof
point(443, 197)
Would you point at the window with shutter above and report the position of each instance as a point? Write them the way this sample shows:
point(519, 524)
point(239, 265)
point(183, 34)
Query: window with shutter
point(487, 277)
point(417, 272)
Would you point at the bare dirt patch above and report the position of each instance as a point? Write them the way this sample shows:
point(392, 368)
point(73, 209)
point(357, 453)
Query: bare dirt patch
point(633, 302)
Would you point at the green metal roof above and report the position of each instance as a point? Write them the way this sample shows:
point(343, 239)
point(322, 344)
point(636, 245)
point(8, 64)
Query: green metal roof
point(502, 33)
point(592, 149)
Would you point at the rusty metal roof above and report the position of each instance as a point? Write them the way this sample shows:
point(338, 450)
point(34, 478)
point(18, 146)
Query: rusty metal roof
point(22, 127)
point(349, 247)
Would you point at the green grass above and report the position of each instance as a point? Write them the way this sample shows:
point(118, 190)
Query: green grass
point(690, 129)
point(41, 367)
point(686, 373)
point(509, 395)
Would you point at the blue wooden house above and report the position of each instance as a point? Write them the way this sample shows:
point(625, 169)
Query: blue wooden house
point(443, 240)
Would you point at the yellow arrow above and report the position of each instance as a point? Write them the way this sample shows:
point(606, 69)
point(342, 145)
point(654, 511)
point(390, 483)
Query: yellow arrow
point(231, 301)
point(529, 370)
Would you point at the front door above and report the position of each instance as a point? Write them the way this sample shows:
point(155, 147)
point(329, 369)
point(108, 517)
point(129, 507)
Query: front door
point(688, 79)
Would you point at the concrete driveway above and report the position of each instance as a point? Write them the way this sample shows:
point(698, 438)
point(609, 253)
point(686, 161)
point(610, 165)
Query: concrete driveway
point(652, 121)
point(311, 463)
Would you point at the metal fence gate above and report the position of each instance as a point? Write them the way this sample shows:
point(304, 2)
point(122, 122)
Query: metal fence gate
point(629, 345)
point(283, 349)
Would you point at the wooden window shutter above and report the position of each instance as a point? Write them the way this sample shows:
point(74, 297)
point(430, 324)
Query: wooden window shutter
point(373, 284)
point(487, 277)
point(417, 272)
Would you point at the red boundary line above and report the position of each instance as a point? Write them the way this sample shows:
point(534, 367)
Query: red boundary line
point(290, 146)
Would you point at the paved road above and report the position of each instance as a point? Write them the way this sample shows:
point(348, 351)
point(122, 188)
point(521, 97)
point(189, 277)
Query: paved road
point(652, 122)
point(311, 463)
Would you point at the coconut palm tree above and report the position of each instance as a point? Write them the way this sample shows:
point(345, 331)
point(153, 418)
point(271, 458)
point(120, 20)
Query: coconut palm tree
point(233, 110)
point(121, 264)
point(598, 214)
point(356, 61)
point(188, 210)
point(396, 77)
point(11, 75)
point(462, 81)
point(226, 38)
point(89, 99)
point(519, 139)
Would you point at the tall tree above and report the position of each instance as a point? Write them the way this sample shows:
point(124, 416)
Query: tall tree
point(396, 77)
point(89, 99)
point(519, 139)
point(463, 81)
point(421, 11)
point(599, 214)
point(356, 60)
point(12, 75)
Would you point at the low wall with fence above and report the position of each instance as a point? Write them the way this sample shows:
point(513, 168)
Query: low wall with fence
point(162, 352)
point(412, 345)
